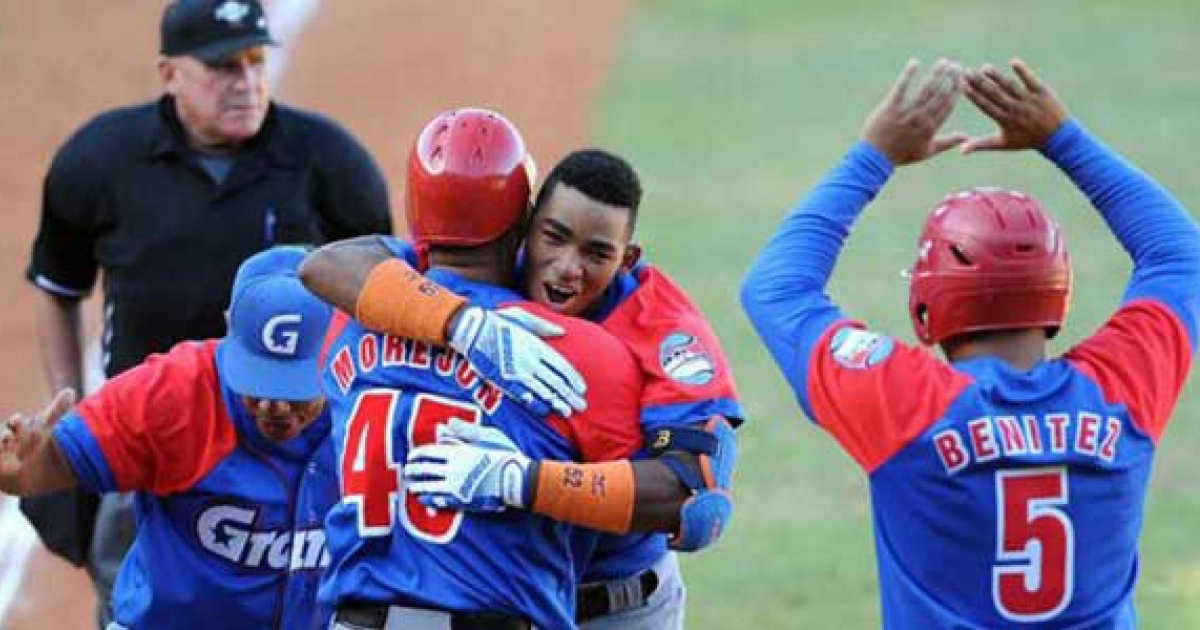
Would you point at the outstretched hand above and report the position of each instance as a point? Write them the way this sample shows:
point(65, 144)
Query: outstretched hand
point(1026, 111)
point(22, 434)
point(903, 127)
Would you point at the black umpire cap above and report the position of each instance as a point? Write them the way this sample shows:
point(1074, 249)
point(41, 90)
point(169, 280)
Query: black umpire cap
point(211, 30)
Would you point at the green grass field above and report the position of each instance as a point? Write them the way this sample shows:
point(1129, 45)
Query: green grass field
point(732, 110)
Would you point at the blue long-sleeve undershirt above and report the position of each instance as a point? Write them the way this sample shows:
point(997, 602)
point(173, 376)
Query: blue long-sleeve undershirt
point(1153, 227)
point(784, 296)
point(784, 291)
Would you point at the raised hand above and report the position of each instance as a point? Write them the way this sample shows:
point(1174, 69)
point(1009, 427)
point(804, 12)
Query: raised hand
point(1026, 111)
point(505, 347)
point(21, 435)
point(904, 126)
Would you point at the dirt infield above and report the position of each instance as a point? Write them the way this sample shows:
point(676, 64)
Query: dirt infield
point(380, 67)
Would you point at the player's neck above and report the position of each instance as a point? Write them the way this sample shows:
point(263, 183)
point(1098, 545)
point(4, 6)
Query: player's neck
point(488, 265)
point(1020, 349)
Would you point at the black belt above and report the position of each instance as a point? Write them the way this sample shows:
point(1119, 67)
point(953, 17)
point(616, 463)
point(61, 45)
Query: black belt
point(594, 600)
point(376, 616)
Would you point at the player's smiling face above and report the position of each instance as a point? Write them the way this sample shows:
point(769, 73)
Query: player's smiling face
point(280, 420)
point(575, 246)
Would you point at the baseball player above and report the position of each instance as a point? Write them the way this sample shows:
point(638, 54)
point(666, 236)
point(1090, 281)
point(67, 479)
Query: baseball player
point(579, 261)
point(226, 443)
point(1024, 473)
point(396, 563)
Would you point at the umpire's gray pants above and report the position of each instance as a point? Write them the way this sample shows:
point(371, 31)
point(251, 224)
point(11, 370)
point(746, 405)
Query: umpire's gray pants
point(111, 538)
point(663, 610)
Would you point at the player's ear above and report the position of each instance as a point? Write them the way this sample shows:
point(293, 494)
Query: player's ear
point(633, 253)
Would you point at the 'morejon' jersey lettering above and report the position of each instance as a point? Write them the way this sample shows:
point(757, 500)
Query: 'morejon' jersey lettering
point(348, 364)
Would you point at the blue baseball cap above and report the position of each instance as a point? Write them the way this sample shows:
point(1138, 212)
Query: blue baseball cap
point(281, 259)
point(276, 330)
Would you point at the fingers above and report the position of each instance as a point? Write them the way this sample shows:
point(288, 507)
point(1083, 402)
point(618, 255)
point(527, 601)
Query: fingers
point(993, 142)
point(1027, 77)
point(564, 379)
point(531, 322)
point(900, 88)
point(456, 430)
point(63, 401)
point(983, 95)
point(544, 394)
point(439, 501)
point(8, 432)
point(947, 142)
point(946, 96)
point(1009, 89)
point(941, 86)
point(419, 475)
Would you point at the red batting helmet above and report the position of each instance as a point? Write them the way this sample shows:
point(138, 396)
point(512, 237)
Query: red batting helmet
point(988, 259)
point(469, 179)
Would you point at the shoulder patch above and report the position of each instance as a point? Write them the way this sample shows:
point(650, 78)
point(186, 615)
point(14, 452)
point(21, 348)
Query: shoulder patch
point(684, 359)
point(860, 349)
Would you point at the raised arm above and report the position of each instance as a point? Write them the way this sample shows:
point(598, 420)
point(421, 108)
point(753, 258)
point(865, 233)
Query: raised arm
point(783, 293)
point(1143, 353)
point(338, 271)
point(1153, 227)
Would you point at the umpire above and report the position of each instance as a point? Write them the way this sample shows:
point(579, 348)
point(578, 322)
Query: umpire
point(168, 198)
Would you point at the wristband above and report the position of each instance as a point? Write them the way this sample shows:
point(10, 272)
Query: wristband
point(397, 300)
point(598, 496)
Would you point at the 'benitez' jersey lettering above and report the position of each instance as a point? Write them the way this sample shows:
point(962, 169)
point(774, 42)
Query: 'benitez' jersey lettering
point(989, 439)
point(1028, 485)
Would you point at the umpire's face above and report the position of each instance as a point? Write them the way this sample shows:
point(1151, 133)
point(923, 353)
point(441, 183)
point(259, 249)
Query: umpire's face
point(223, 103)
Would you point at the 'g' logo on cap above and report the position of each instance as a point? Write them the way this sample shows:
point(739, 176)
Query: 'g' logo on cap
point(281, 334)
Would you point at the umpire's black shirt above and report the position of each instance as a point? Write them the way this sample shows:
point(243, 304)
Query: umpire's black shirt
point(127, 195)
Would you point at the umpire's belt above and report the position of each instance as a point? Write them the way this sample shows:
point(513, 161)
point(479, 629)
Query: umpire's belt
point(599, 599)
point(382, 617)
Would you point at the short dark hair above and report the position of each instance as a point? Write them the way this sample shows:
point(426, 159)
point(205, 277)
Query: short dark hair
point(603, 176)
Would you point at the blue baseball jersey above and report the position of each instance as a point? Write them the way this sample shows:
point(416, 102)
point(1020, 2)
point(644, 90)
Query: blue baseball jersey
point(999, 498)
point(687, 381)
point(389, 394)
point(229, 523)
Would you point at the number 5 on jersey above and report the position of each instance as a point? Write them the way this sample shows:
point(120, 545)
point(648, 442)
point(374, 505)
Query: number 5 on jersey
point(1035, 545)
point(371, 473)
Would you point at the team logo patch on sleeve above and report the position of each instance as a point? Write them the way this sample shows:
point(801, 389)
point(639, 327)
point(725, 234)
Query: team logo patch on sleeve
point(684, 358)
point(860, 349)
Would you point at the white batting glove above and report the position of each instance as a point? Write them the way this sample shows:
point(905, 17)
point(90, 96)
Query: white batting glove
point(505, 347)
point(472, 468)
